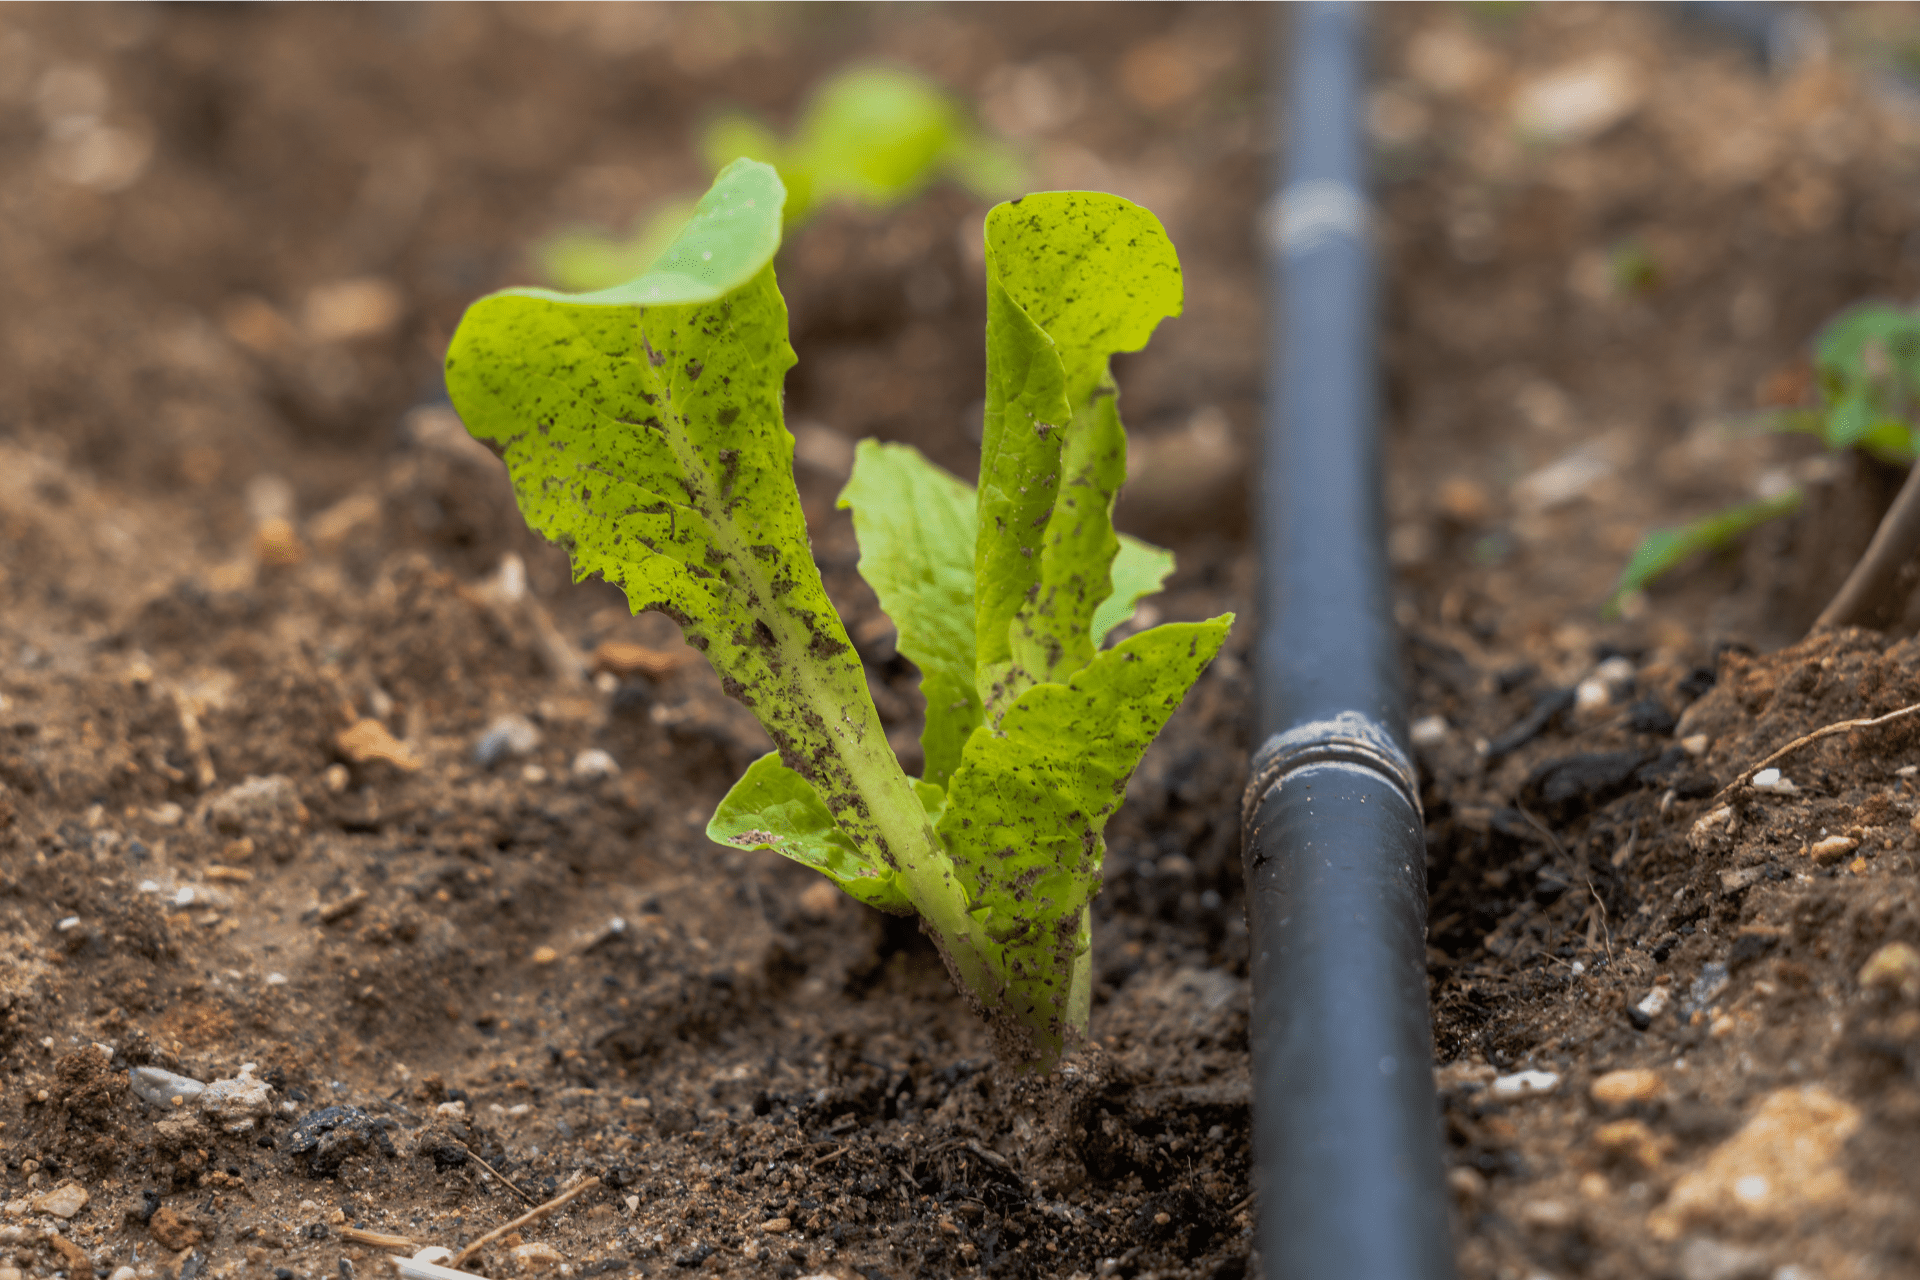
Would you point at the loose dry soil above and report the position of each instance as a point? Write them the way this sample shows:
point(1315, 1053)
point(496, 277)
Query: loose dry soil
point(265, 612)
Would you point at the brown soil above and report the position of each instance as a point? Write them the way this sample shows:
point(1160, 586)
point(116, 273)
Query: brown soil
point(261, 601)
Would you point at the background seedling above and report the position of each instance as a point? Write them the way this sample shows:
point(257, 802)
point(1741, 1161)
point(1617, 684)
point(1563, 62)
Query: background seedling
point(872, 135)
point(1867, 366)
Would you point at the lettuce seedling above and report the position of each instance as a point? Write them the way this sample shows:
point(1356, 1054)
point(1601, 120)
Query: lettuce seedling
point(874, 135)
point(642, 429)
point(1866, 362)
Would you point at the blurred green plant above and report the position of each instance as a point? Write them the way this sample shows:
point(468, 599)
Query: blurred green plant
point(1866, 363)
point(872, 135)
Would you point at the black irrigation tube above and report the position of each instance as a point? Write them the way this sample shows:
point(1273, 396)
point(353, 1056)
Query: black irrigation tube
point(1346, 1126)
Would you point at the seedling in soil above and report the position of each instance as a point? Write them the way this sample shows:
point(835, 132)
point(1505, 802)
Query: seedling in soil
point(642, 429)
point(873, 135)
point(1867, 364)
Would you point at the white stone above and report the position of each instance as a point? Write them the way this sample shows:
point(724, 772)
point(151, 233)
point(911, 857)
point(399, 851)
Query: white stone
point(1525, 1084)
point(594, 763)
point(160, 1087)
point(235, 1104)
point(1775, 783)
point(63, 1201)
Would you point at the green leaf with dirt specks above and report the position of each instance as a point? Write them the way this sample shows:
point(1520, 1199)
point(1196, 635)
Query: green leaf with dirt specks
point(1029, 803)
point(1072, 279)
point(772, 807)
point(916, 527)
point(642, 429)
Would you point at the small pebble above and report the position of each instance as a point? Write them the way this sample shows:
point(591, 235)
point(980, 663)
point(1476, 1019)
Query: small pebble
point(1653, 1002)
point(1695, 744)
point(1775, 783)
point(63, 1201)
point(235, 1104)
point(1894, 969)
point(508, 735)
point(544, 955)
point(594, 763)
point(1832, 849)
point(1619, 1088)
point(1525, 1084)
point(536, 1256)
point(123, 1273)
point(337, 777)
point(775, 1226)
point(160, 1088)
point(1429, 731)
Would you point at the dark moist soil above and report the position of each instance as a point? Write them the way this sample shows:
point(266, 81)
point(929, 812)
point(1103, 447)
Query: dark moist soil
point(264, 610)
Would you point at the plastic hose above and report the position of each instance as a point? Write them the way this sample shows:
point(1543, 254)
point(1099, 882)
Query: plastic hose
point(1346, 1123)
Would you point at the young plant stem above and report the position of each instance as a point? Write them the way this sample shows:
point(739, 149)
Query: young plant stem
point(1871, 595)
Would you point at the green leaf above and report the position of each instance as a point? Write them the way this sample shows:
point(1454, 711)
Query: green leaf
point(915, 523)
point(648, 440)
point(1072, 279)
point(916, 528)
point(1138, 570)
point(1028, 806)
point(1664, 549)
point(772, 807)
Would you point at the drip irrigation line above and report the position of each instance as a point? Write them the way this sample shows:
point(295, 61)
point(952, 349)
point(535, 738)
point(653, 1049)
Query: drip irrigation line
point(1346, 1125)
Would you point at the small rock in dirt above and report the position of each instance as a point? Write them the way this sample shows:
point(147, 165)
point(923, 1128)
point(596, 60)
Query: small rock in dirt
point(173, 1231)
point(1782, 1166)
point(123, 1273)
point(1524, 1084)
point(1650, 1006)
point(236, 1104)
point(331, 1135)
point(76, 1259)
point(1551, 1214)
point(1572, 786)
point(63, 1201)
point(1578, 102)
point(268, 803)
point(1650, 715)
point(535, 1257)
point(776, 1226)
point(1429, 731)
point(10, 1273)
point(1832, 849)
point(593, 763)
point(1894, 969)
point(366, 741)
point(1703, 1258)
point(160, 1088)
point(1711, 982)
point(1632, 1141)
point(1773, 782)
point(820, 900)
point(1710, 826)
point(1621, 1088)
point(509, 735)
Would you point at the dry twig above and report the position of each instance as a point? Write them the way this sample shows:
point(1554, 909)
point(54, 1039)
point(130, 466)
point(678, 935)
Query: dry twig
point(532, 1215)
point(1826, 731)
point(498, 1176)
point(378, 1239)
